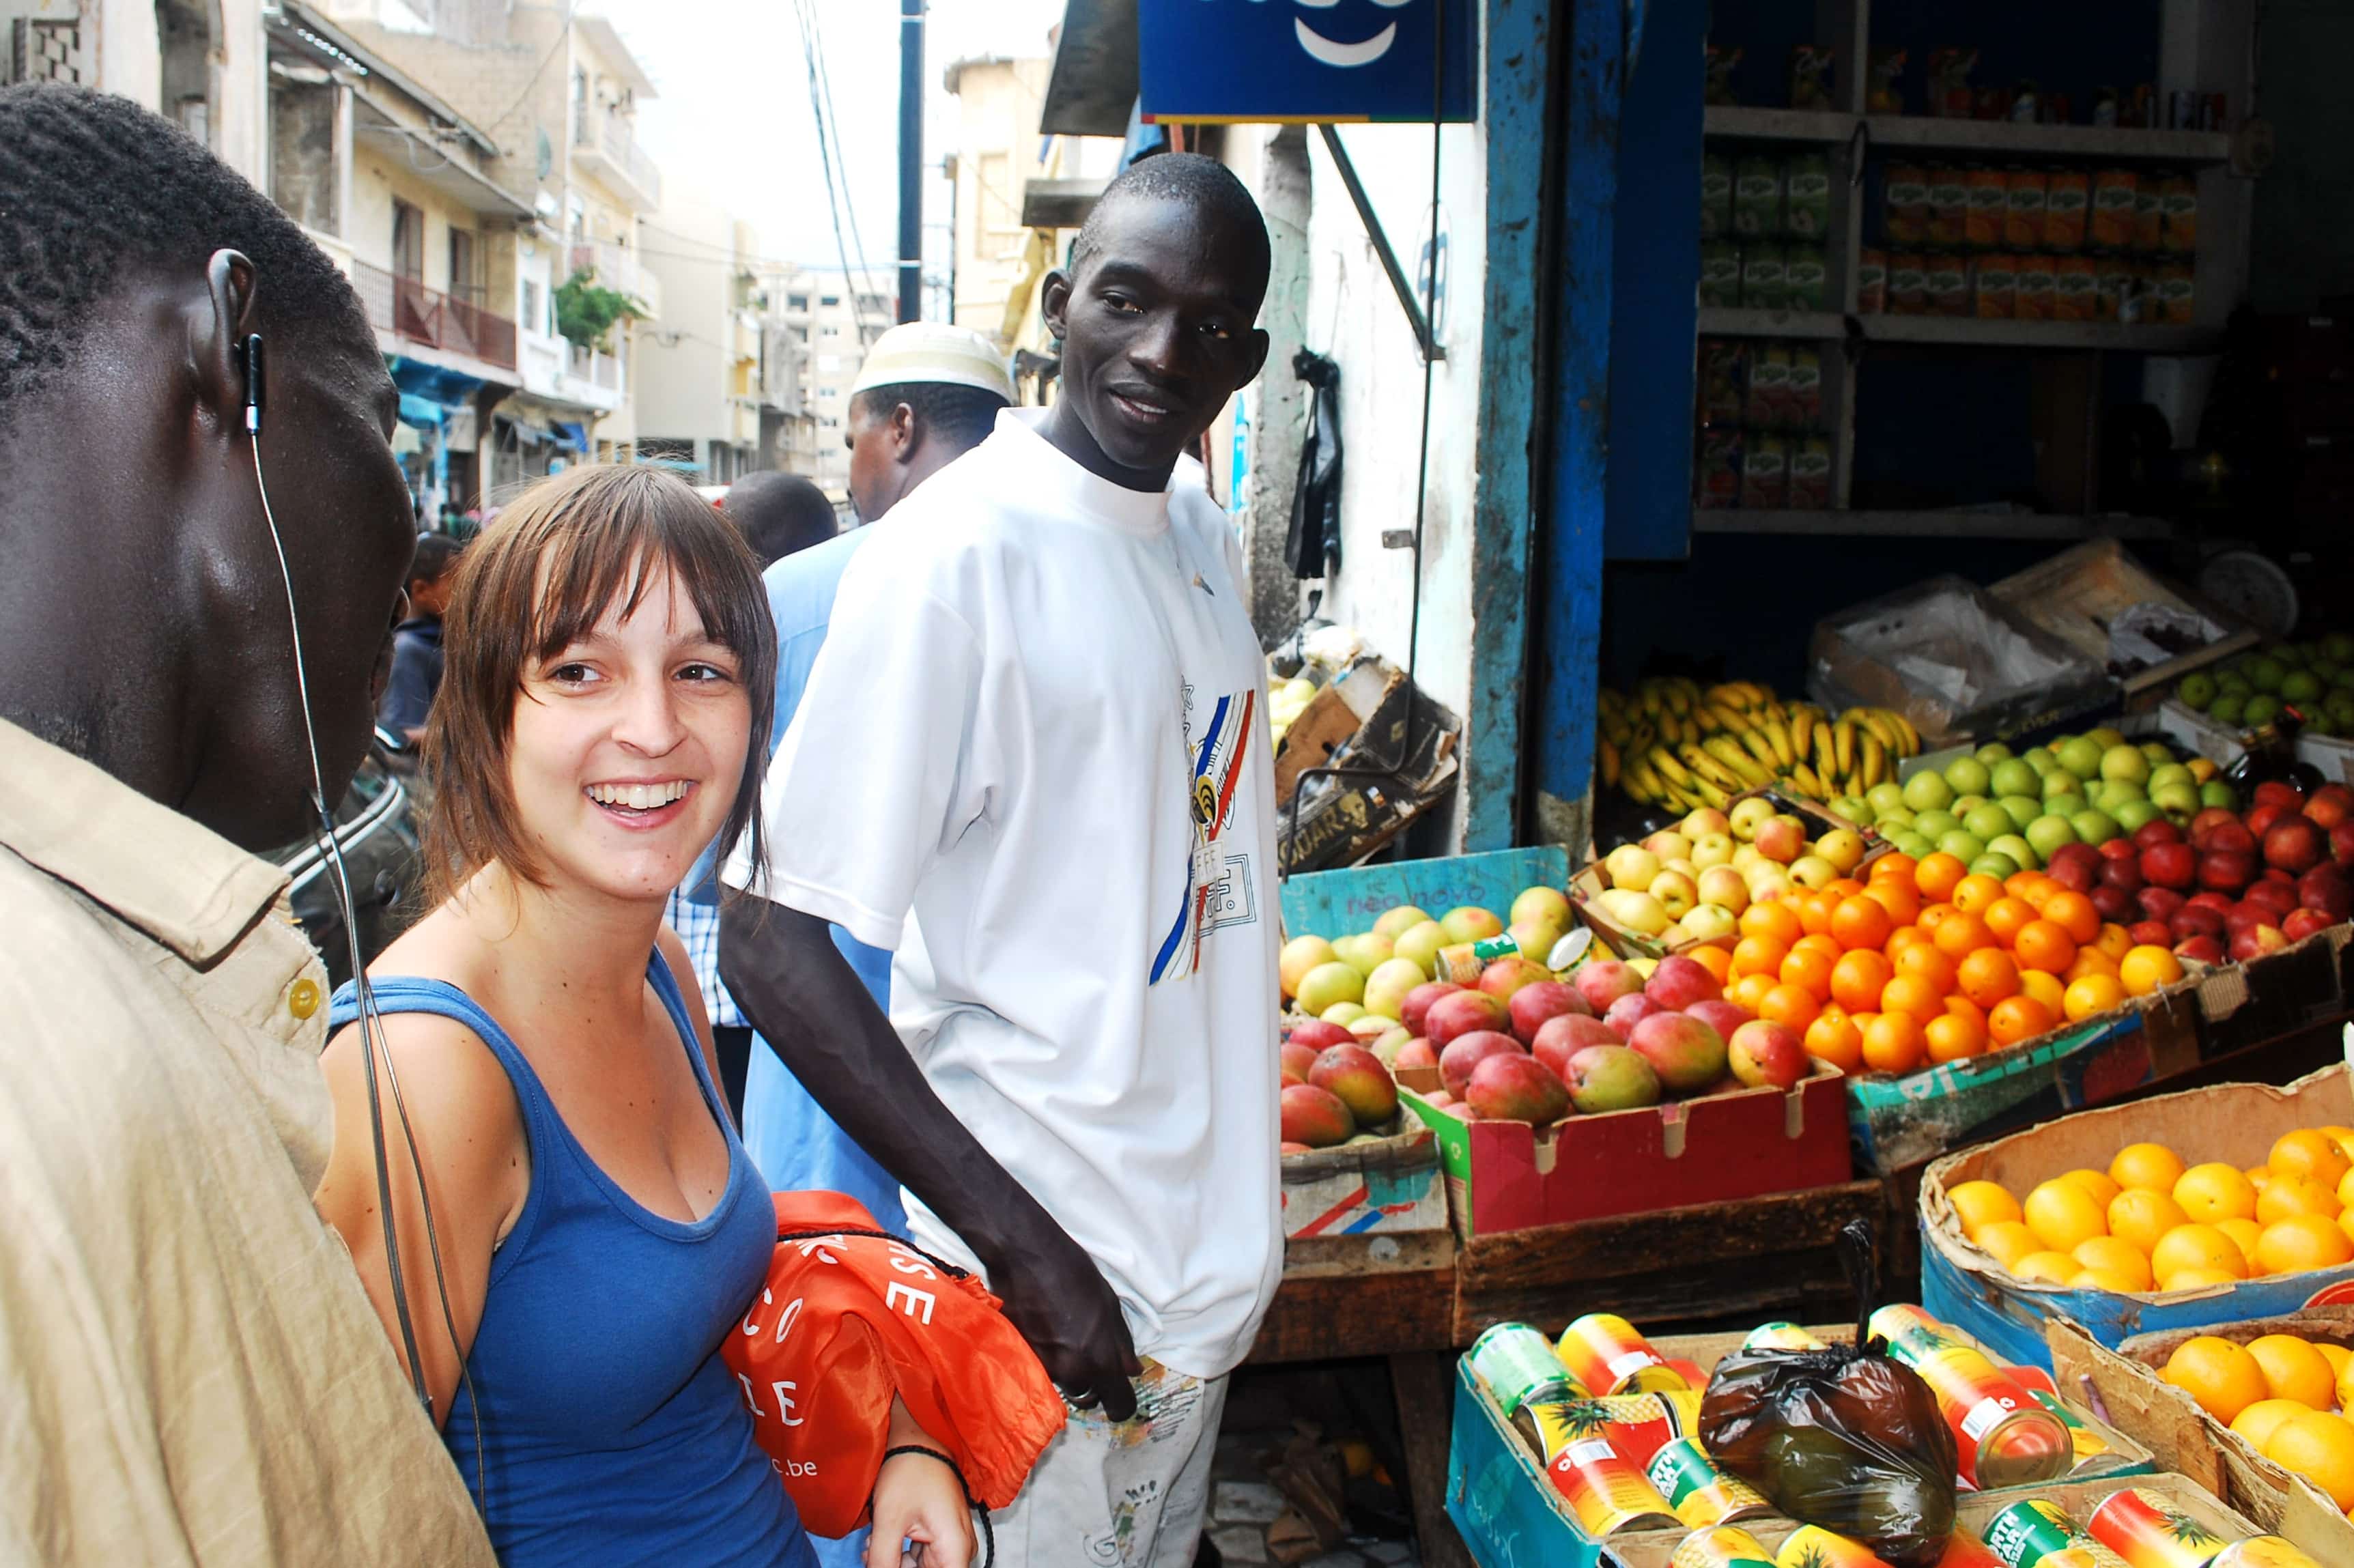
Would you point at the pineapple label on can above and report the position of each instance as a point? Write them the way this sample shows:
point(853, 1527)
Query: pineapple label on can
point(1462, 962)
point(1781, 1337)
point(1720, 1546)
point(2263, 1551)
point(1815, 1547)
point(2089, 1445)
point(2037, 1534)
point(1605, 1492)
point(1602, 1352)
point(1699, 1491)
point(2148, 1530)
point(2002, 1437)
point(1516, 1363)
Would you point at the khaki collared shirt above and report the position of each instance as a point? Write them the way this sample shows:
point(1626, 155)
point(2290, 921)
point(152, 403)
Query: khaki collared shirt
point(189, 1369)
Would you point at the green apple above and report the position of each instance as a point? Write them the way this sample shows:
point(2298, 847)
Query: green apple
point(1965, 804)
point(1936, 824)
point(2229, 709)
point(2158, 753)
point(2197, 689)
point(2133, 815)
point(1914, 844)
point(1887, 822)
point(2079, 755)
point(2014, 776)
point(2095, 827)
point(2116, 792)
point(1962, 845)
point(2106, 737)
point(1967, 776)
point(2168, 773)
point(1886, 796)
point(2262, 709)
point(2063, 781)
point(2064, 805)
point(2126, 763)
point(2021, 809)
point(2040, 758)
point(2048, 833)
point(1993, 752)
point(1928, 791)
point(1328, 984)
point(2215, 793)
point(1995, 864)
point(2021, 851)
point(1989, 823)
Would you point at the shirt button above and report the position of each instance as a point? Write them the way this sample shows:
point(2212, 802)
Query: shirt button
point(303, 998)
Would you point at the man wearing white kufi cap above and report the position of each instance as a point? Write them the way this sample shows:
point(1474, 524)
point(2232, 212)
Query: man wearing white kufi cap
point(926, 395)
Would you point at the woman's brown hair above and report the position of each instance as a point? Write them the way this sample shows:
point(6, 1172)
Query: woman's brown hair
point(565, 552)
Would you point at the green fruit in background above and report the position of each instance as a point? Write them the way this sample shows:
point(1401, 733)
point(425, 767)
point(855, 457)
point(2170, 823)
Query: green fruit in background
point(1996, 865)
point(2233, 684)
point(1992, 752)
point(2126, 763)
point(1965, 804)
point(2260, 710)
point(2215, 793)
point(2339, 645)
point(2340, 707)
point(1886, 796)
point(2105, 738)
point(2178, 798)
point(2290, 654)
point(2065, 805)
point(1989, 823)
point(2302, 687)
point(2326, 668)
point(2096, 827)
point(2021, 851)
point(2063, 781)
point(2230, 708)
point(2267, 673)
point(2160, 755)
point(1967, 776)
point(1899, 818)
point(1854, 808)
point(2014, 777)
point(1912, 843)
point(1928, 791)
point(2021, 809)
point(2133, 815)
point(1936, 824)
point(2320, 723)
point(2079, 755)
point(2168, 773)
point(2197, 689)
point(2116, 792)
point(2040, 758)
point(1962, 845)
point(2048, 833)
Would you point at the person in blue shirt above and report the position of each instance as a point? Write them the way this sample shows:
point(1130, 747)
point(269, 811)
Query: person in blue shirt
point(417, 641)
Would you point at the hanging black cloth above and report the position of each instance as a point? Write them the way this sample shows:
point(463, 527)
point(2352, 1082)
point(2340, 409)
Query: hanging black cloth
point(1312, 549)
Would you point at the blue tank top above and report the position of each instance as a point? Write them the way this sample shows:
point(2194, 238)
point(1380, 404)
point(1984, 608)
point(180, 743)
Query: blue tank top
point(611, 1432)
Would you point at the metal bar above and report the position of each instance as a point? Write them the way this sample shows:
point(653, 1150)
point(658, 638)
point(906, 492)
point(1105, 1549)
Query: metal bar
point(911, 160)
point(1381, 241)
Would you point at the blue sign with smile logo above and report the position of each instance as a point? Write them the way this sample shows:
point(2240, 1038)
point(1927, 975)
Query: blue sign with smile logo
point(1308, 59)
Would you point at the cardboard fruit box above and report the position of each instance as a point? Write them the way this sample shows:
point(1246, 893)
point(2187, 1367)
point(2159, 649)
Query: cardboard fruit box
point(1901, 1122)
point(2185, 1438)
point(1357, 1189)
point(2234, 1122)
point(1511, 1176)
point(1512, 1516)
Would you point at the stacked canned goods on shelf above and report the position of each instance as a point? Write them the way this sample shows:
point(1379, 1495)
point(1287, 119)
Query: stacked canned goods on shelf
point(1763, 224)
point(1760, 416)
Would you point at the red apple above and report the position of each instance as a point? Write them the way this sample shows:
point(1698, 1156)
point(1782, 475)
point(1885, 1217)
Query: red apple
point(2260, 820)
point(2296, 845)
point(2204, 950)
point(2303, 923)
point(1416, 1053)
point(1416, 1013)
point(1532, 1004)
point(2197, 920)
point(1763, 1051)
point(2116, 906)
point(1679, 982)
point(2226, 871)
point(2218, 901)
point(2068, 854)
point(2174, 865)
point(2158, 903)
point(2075, 875)
point(1722, 1015)
point(1511, 1087)
point(2256, 942)
point(1466, 1052)
point(2150, 933)
point(2328, 891)
point(2331, 804)
point(1452, 1017)
point(2279, 897)
point(2157, 831)
point(2341, 842)
point(2232, 836)
point(1603, 981)
point(2122, 871)
point(1563, 1035)
point(1299, 1058)
point(1318, 1035)
point(1629, 1011)
point(1357, 1075)
point(2279, 792)
point(1685, 1053)
point(2205, 823)
point(2246, 916)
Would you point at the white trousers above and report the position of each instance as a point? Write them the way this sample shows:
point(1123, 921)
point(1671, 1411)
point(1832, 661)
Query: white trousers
point(1130, 1494)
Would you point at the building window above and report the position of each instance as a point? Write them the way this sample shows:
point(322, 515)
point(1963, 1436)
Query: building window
point(465, 282)
point(796, 301)
point(408, 241)
point(533, 321)
point(829, 300)
point(1001, 206)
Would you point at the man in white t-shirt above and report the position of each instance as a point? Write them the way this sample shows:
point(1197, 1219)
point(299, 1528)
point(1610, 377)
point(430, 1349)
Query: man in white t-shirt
point(1033, 758)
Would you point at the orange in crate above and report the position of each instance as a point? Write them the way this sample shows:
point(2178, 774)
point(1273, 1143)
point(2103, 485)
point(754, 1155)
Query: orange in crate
point(1952, 1036)
point(1893, 866)
point(2090, 996)
point(1774, 919)
point(1860, 922)
point(1716, 960)
point(2044, 945)
point(2073, 912)
point(1892, 1043)
point(1751, 989)
point(1934, 915)
point(1758, 956)
point(1905, 937)
point(1814, 911)
point(1897, 895)
point(2005, 914)
point(1963, 934)
point(2114, 943)
point(1834, 1037)
point(1859, 977)
point(2017, 1019)
point(1927, 961)
point(1938, 874)
point(1987, 976)
point(1976, 893)
point(1914, 997)
point(1792, 1007)
point(1807, 970)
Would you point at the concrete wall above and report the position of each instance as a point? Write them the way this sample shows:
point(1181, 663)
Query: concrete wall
point(685, 365)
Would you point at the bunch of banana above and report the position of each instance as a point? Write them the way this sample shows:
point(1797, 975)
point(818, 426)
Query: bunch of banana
point(1672, 742)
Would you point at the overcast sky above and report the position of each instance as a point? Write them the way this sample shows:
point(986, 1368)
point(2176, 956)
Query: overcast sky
point(732, 121)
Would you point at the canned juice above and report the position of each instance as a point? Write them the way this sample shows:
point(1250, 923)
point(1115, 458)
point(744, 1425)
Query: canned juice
point(1964, 1549)
point(1764, 277)
point(1904, 218)
point(1994, 286)
point(1698, 1489)
point(1603, 1490)
point(1949, 285)
point(1908, 284)
point(1807, 197)
point(1463, 962)
point(1781, 1337)
point(2002, 1437)
point(2088, 1444)
point(1989, 200)
point(2023, 225)
point(1602, 1352)
point(1516, 1363)
point(1871, 283)
point(1815, 1547)
point(2263, 1551)
point(2031, 290)
point(1715, 196)
point(2179, 197)
point(1768, 401)
point(1756, 198)
point(2037, 1534)
point(2111, 223)
point(1950, 206)
point(1720, 1546)
point(1639, 1425)
point(1805, 280)
point(2074, 283)
point(2067, 193)
point(2149, 214)
point(2148, 1530)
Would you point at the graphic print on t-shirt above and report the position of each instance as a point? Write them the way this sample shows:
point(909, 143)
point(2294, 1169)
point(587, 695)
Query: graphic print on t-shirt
point(1217, 884)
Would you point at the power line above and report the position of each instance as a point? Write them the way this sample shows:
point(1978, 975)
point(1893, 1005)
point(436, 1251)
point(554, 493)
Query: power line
point(820, 111)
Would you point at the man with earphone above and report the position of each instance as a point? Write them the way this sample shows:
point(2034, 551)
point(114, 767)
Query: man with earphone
point(194, 1373)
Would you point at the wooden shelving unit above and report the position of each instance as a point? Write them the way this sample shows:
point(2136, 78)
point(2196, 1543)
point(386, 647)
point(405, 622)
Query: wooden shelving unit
point(2204, 46)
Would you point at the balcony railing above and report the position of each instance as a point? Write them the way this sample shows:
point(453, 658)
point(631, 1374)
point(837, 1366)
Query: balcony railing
point(602, 369)
point(408, 309)
point(617, 267)
point(607, 137)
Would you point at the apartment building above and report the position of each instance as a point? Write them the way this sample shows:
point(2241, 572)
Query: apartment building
point(826, 320)
point(711, 381)
point(198, 62)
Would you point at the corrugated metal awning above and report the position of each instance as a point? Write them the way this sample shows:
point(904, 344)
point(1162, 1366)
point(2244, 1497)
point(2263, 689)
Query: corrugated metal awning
point(1092, 86)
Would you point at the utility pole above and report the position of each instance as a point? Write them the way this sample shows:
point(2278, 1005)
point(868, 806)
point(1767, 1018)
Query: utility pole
point(911, 160)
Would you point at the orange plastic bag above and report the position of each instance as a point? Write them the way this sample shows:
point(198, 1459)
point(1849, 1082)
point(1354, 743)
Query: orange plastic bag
point(846, 1322)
